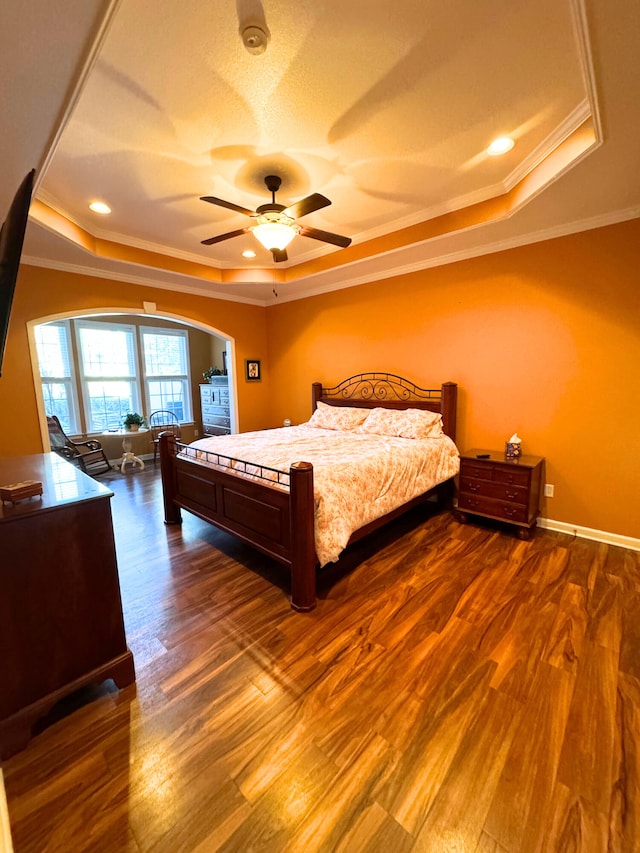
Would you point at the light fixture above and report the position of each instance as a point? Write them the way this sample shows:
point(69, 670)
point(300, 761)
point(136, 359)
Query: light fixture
point(100, 207)
point(255, 37)
point(274, 230)
point(248, 253)
point(500, 146)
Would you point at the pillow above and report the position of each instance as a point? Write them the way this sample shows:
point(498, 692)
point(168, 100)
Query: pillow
point(337, 417)
point(404, 423)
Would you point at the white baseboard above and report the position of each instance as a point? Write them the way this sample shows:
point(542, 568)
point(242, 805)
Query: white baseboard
point(590, 533)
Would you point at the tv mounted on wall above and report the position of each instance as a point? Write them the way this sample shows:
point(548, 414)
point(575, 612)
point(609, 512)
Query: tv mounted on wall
point(11, 240)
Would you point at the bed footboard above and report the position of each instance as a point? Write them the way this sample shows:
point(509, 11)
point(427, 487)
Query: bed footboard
point(275, 521)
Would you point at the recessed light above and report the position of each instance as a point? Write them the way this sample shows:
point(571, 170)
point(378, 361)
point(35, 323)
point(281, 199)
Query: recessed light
point(100, 207)
point(248, 253)
point(500, 146)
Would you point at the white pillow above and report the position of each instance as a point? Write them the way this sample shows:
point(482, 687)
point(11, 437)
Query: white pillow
point(337, 417)
point(404, 423)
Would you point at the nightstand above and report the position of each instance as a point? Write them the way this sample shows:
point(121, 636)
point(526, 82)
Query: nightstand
point(503, 489)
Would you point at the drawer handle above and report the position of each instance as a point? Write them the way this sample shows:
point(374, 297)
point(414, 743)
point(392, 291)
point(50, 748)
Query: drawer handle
point(473, 503)
point(510, 495)
point(473, 487)
point(510, 511)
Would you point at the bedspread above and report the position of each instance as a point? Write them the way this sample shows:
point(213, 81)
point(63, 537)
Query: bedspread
point(357, 477)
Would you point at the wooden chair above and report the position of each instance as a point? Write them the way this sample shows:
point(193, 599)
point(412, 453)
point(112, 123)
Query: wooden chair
point(162, 421)
point(89, 455)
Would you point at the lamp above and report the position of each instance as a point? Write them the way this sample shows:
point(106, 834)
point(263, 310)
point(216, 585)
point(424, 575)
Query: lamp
point(274, 230)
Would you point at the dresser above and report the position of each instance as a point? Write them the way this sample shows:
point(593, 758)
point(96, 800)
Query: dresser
point(492, 486)
point(214, 402)
point(61, 624)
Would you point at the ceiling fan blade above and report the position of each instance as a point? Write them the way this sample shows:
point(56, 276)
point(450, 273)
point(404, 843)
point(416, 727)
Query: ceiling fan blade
point(279, 255)
point(228, 204)
point(226, 236)
point(306, 205)
point(325, 236)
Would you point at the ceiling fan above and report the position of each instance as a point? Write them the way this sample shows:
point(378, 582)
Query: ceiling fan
point(275, 225)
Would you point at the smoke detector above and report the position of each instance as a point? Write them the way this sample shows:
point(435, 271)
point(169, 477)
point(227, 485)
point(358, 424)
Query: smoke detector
point(255, 38)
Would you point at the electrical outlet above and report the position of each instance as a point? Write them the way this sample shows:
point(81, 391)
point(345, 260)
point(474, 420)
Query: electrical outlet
point(196, 432)
point(548, 490)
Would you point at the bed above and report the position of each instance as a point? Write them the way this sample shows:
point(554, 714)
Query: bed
point(267, 497)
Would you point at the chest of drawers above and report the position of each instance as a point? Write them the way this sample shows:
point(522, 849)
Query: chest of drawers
point(61, 623)
point(502, 489)
point(214, 402)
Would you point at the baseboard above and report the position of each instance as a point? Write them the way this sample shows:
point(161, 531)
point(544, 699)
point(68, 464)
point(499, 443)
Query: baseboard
point(590, 533)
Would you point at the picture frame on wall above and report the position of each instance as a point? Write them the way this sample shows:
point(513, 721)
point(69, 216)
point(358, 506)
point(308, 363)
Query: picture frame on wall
point(252, 369)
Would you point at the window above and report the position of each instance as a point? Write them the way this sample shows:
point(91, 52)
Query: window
point(120, 368)
point(108, 360)
point(56, 372)
point(166, 369)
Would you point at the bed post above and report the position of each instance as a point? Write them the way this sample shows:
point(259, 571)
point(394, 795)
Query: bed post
point(303, 551)
point(316, 394)
point(168, 473)
point(448, 408)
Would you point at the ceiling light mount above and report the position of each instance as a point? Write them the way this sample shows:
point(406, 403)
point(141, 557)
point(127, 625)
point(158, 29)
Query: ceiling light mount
point(255, 38)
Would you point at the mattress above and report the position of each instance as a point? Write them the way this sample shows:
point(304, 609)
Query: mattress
point(357, 477)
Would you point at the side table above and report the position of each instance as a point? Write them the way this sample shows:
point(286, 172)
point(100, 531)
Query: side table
point(492, 486)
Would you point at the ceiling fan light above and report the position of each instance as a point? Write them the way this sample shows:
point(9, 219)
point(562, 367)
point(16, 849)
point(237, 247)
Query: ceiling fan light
point(274, 235)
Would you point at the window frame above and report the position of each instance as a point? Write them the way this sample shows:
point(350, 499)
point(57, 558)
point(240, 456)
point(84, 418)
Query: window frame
point(70, 381)
point(183, 378)
point(83, 381)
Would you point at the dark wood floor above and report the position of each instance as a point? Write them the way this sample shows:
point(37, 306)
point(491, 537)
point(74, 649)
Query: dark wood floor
point(457, 689)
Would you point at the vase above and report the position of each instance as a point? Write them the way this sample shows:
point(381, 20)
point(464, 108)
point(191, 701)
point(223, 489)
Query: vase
point(133, 427)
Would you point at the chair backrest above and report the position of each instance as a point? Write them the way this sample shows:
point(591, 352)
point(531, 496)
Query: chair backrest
point(163, 420)
point(57, 435)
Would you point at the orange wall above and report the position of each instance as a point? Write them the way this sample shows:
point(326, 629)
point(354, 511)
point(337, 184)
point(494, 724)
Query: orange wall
point(42, 293)
point(543, 339)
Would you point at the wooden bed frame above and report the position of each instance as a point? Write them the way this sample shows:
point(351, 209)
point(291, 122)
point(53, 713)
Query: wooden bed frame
point(280, 522)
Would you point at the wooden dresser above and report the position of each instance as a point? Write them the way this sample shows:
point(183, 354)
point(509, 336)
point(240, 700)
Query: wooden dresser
point(503, 489)
point(214, 402)
point(61, 624)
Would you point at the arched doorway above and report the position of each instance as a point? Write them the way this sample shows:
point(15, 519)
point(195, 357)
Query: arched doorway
point(224, 344)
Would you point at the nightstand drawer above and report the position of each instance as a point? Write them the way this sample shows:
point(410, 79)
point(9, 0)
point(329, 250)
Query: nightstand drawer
point(489, 489)
point(493, 507)
point(510, 474)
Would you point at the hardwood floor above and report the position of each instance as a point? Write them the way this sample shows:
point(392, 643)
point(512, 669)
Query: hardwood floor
point(456, 689)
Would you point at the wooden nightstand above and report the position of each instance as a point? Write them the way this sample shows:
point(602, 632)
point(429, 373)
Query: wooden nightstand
point(504, 489)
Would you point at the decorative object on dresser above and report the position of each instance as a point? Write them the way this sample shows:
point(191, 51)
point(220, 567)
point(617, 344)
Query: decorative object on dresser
point(273, 508)
point(214, 402)
point(493, 486)
point(87, 455)
point(61, 625)
point(210, 372)
point(16, 492)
